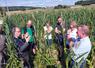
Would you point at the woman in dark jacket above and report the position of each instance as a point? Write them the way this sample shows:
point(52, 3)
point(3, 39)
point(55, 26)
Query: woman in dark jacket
point(21, 46)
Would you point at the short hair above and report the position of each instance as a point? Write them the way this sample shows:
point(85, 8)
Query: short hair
point(85, 29)
point(59, 17)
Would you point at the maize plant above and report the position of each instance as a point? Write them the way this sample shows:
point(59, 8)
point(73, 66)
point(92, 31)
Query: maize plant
point(48, 55)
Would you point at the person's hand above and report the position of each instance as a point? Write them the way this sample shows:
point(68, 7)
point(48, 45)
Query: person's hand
point(22, 36)
point(26, 35)
point(27, 39)
point(34, 50)
point(56, 30)
point(68, 36)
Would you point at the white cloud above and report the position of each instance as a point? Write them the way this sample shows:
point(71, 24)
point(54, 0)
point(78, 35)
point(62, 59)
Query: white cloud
point(36, 2)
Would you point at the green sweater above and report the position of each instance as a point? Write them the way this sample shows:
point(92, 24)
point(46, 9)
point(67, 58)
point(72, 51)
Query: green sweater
point(30, 32)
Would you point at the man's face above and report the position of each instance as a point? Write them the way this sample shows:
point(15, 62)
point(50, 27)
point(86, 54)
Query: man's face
point(59, 20)
point(29, 23)
point(71, 25)
point(17, 32)
point(79, 32)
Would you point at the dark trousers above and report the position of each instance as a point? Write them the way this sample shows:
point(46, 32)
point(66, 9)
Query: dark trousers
point(31, 54)
point(25, 57)
point(28, 56)
point(59, 40)
point(49, 42)
point(60, 43)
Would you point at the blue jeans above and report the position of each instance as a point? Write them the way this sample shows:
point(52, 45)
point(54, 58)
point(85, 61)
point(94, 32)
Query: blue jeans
point(49, 41)
point(59, 39)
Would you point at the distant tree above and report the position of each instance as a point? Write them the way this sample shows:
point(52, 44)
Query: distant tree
point(2, 11)
point(58, 7)
point(85, 2)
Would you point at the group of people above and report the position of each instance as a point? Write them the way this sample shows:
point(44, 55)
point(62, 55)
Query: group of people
point(24, 40)
point(77, 39)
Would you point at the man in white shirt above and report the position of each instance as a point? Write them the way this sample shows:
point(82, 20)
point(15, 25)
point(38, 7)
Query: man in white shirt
point(83, 48)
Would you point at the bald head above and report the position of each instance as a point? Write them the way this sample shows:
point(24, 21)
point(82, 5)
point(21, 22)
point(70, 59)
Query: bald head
point(29, 23)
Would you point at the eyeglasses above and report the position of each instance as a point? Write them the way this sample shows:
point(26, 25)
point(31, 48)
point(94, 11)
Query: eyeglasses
point(18, 31)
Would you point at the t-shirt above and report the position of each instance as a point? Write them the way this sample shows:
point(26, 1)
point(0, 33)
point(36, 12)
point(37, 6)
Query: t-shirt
point(48, 35)
point(73, 33)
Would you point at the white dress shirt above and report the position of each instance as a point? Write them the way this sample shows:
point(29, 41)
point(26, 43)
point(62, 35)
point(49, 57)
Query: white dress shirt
point(84, 46)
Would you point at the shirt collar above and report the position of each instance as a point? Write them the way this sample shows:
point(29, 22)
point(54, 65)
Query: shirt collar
point(84, 38)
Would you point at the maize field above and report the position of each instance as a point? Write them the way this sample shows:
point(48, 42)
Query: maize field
point(48, 55)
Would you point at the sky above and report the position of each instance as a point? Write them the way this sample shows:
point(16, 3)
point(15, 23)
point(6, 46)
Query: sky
point(36, 3)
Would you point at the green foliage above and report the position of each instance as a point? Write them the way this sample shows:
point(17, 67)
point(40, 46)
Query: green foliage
point(48, 55)
point(13, 61)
